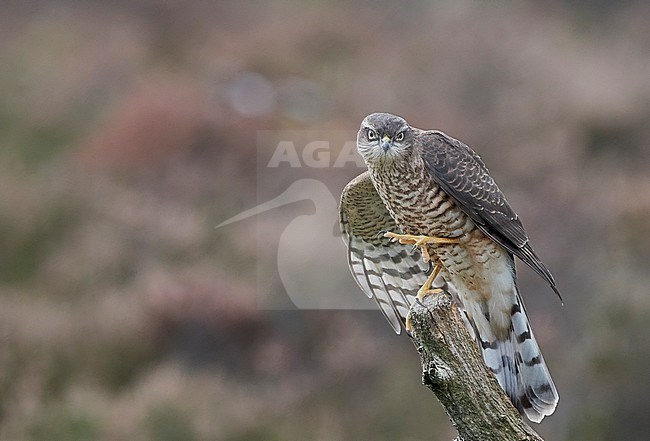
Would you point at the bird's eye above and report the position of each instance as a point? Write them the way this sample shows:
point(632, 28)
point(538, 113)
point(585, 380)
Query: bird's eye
point(399, 137)
point(371, 134)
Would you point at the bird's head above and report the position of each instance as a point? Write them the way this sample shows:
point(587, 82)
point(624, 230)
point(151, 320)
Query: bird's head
point(384, 138)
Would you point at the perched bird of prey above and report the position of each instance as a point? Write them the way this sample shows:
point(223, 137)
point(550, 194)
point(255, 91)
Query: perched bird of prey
point(427, 207)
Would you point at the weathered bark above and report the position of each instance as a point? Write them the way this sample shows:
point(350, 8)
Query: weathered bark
point(452, 367)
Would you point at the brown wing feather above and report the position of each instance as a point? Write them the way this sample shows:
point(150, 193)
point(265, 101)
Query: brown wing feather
point(464, 177)
point(386, 271)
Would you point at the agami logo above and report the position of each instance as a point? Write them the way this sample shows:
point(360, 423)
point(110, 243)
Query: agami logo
point(296, 221)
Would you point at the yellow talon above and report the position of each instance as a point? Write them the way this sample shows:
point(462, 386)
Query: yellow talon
point(420, 241)
point(426, 290)
point(407, 239)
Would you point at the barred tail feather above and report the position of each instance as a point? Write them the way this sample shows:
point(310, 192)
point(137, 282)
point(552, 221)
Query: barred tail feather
point(537, 396)
point(518, 364)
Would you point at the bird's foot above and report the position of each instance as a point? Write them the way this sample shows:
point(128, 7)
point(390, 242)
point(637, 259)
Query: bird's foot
point(426, 289)
point(422, 293)
point(420, 241)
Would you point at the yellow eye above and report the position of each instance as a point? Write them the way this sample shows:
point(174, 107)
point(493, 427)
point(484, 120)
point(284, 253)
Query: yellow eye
point(399, 137)
point(371, 134)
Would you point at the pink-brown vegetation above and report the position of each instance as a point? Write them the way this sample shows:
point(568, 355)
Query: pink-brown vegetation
point(129, 131)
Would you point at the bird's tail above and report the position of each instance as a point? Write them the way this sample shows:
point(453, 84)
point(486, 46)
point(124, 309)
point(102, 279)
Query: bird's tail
point(517, 362)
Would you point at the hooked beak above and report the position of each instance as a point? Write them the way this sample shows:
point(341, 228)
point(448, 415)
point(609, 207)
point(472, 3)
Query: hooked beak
point(385, 143)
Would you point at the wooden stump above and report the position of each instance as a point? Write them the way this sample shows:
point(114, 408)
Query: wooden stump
point(453, 368)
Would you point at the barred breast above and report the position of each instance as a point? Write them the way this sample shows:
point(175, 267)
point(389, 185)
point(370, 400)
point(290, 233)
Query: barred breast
point(479, 268)
point(419, 206)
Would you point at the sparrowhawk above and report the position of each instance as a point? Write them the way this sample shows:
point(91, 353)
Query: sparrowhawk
point(427, 189)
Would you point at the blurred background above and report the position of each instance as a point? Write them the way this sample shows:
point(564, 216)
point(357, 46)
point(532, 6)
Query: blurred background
point(129, 129)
